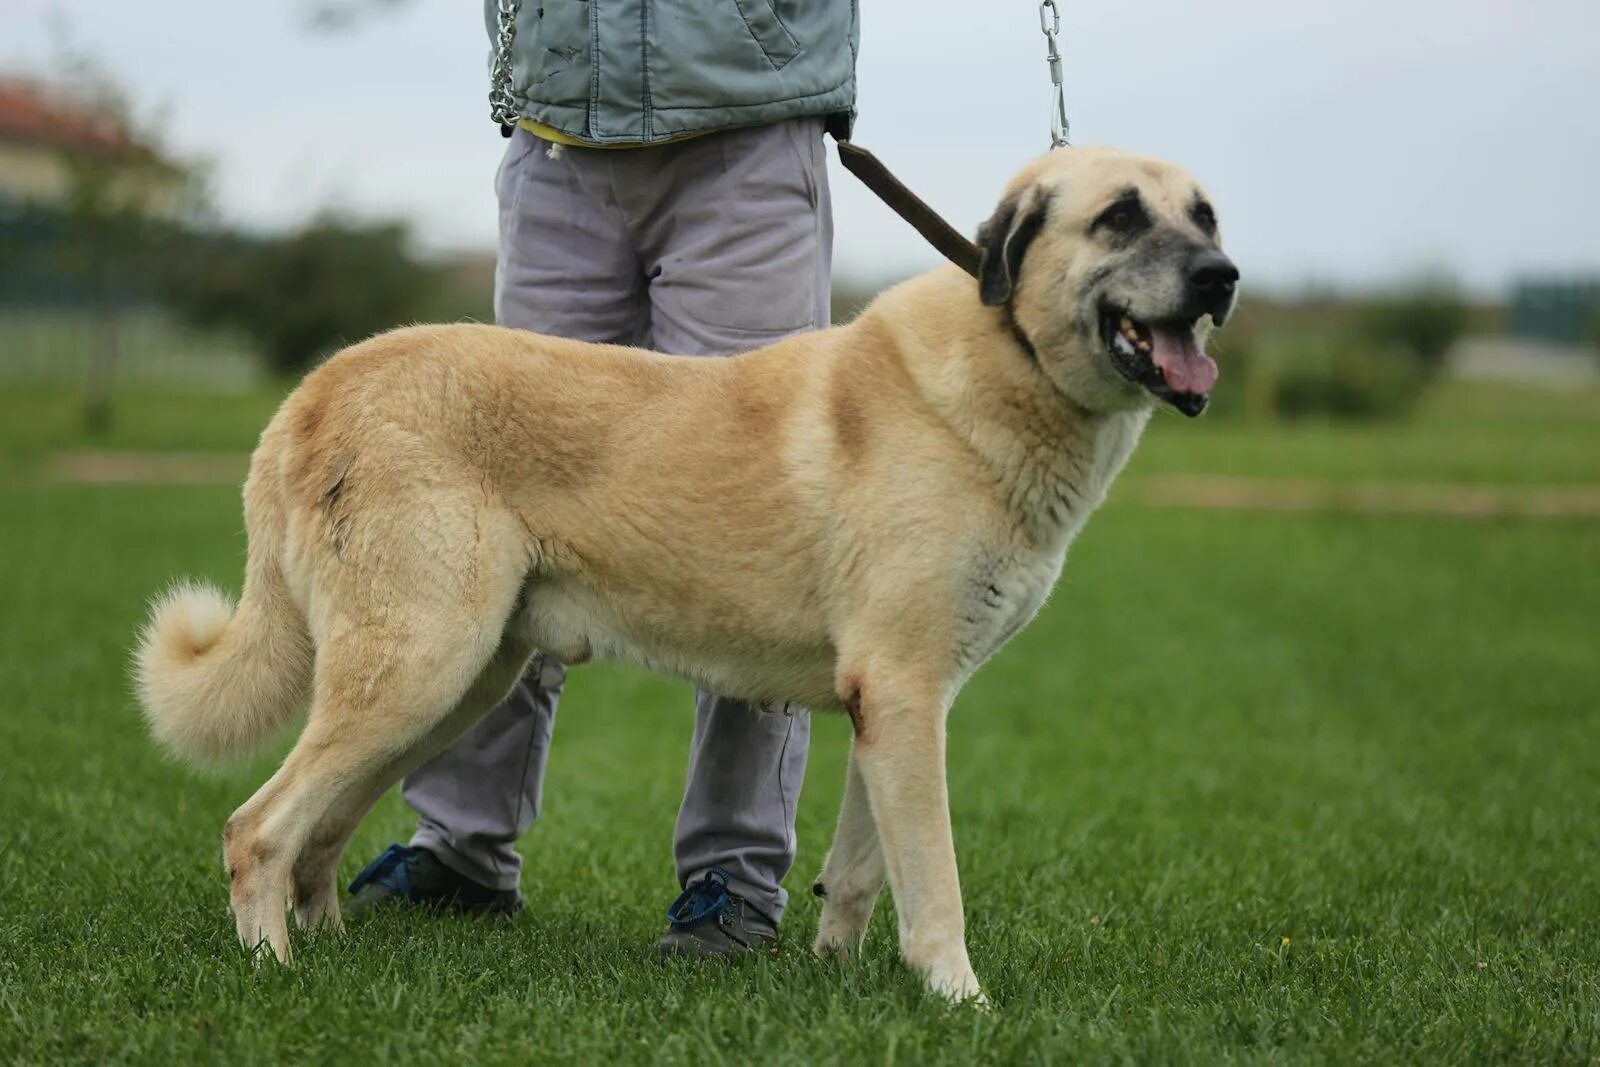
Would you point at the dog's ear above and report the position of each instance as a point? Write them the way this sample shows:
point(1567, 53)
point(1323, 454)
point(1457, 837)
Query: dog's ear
point(1004, 240)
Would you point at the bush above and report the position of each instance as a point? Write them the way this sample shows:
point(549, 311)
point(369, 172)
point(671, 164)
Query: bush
point(302, 296)
point(1356, 360)
point(1425, 320)
point(1347, 377)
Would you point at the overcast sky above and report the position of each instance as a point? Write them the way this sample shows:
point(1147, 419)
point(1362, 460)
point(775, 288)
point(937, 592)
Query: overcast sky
point(1345, 143)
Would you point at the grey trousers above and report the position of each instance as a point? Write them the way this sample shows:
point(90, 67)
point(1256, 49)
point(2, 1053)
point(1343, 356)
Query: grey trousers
point(704, 247)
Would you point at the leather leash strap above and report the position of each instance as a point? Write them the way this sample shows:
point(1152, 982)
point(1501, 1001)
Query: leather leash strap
point(926, 221)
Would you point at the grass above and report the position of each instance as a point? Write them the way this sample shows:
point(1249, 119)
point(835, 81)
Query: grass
point(35, 421)
point(1254, 787)
point(1466, 432)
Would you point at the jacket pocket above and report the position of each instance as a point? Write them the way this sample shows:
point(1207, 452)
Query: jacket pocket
point(769, 32)
point(552, 52)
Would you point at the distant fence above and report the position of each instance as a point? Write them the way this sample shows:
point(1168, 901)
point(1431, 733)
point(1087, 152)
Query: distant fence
point(54, 345)
point(59, 319)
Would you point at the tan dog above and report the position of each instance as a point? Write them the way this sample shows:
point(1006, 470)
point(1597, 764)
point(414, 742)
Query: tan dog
point(854, 519)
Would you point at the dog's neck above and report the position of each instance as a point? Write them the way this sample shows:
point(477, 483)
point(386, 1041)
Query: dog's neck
point(1052, 458)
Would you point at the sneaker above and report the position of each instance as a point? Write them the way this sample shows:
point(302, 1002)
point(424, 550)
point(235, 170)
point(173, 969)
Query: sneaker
point(414, 876)
point(708, 922)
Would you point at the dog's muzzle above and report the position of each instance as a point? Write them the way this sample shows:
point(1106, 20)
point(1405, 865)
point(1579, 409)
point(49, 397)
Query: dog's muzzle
point(1164, 355)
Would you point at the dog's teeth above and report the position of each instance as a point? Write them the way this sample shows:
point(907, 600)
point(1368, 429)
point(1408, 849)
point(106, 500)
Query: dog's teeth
point(1127, 323)
point(1144, 346)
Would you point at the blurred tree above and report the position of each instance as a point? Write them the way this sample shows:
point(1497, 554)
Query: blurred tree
point(110, 193)
point(1425, 318)
point(304, 295)
point(107, 238)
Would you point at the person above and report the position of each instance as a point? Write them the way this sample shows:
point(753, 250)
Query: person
point(665, 186)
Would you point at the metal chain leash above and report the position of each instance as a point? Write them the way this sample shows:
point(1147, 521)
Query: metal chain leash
point(502, 106)
point(1050, 26)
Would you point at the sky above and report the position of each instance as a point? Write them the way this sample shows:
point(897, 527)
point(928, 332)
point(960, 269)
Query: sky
point(1346, 144)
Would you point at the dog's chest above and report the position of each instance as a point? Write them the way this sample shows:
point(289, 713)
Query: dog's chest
point(1006, 583)
point(1001, 594)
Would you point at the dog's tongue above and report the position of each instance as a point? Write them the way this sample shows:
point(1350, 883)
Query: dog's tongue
point(1183, 365)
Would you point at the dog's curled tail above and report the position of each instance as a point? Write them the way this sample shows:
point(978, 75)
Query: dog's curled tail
point(215, 681)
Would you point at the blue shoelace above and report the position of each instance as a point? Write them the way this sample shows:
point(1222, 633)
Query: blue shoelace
point(706, 899)
point(391, 870)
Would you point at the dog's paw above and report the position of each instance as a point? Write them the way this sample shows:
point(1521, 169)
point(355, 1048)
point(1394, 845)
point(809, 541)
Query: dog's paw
point(843, 944)
point(958, 985)
point(842, 928)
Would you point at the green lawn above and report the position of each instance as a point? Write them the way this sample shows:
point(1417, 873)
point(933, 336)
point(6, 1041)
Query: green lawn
point(36, 421)
point(1464, 433)
point(1372, 737)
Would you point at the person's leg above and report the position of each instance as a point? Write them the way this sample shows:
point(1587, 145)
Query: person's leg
point(474, 799)
point(566, 267)
point(746, 767)
point(741, 258)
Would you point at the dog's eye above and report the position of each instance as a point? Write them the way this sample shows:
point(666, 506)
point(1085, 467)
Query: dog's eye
point(1204, 217)
point(1123, 217)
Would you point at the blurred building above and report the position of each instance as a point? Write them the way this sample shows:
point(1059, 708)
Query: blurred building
point(51, 144)
point(87, 210)
point(79, 196)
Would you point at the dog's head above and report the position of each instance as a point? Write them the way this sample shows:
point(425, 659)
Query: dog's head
point(1110, 267)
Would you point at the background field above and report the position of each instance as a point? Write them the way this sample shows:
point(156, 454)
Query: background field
point(1256, 786)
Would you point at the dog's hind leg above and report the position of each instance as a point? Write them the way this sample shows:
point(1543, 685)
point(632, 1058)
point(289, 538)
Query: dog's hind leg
point(405, 632)
point(314, 877)
point(853, 873)
point(370, 711)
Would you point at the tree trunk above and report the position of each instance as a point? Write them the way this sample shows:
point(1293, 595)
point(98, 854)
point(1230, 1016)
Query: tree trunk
point(103, 365)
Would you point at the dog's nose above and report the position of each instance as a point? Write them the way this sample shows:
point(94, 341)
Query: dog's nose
point(1212, 274)
point(1212, 281)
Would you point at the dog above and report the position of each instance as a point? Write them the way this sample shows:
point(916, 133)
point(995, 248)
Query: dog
point(853, 519)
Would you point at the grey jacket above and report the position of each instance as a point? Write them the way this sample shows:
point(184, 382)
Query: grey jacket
point(651, 70)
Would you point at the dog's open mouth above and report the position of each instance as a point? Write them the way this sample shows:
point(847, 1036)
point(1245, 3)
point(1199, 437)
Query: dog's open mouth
point(1164, 357)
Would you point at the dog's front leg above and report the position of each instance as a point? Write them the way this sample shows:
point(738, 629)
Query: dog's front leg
point(900, 751)
point(852, 875)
